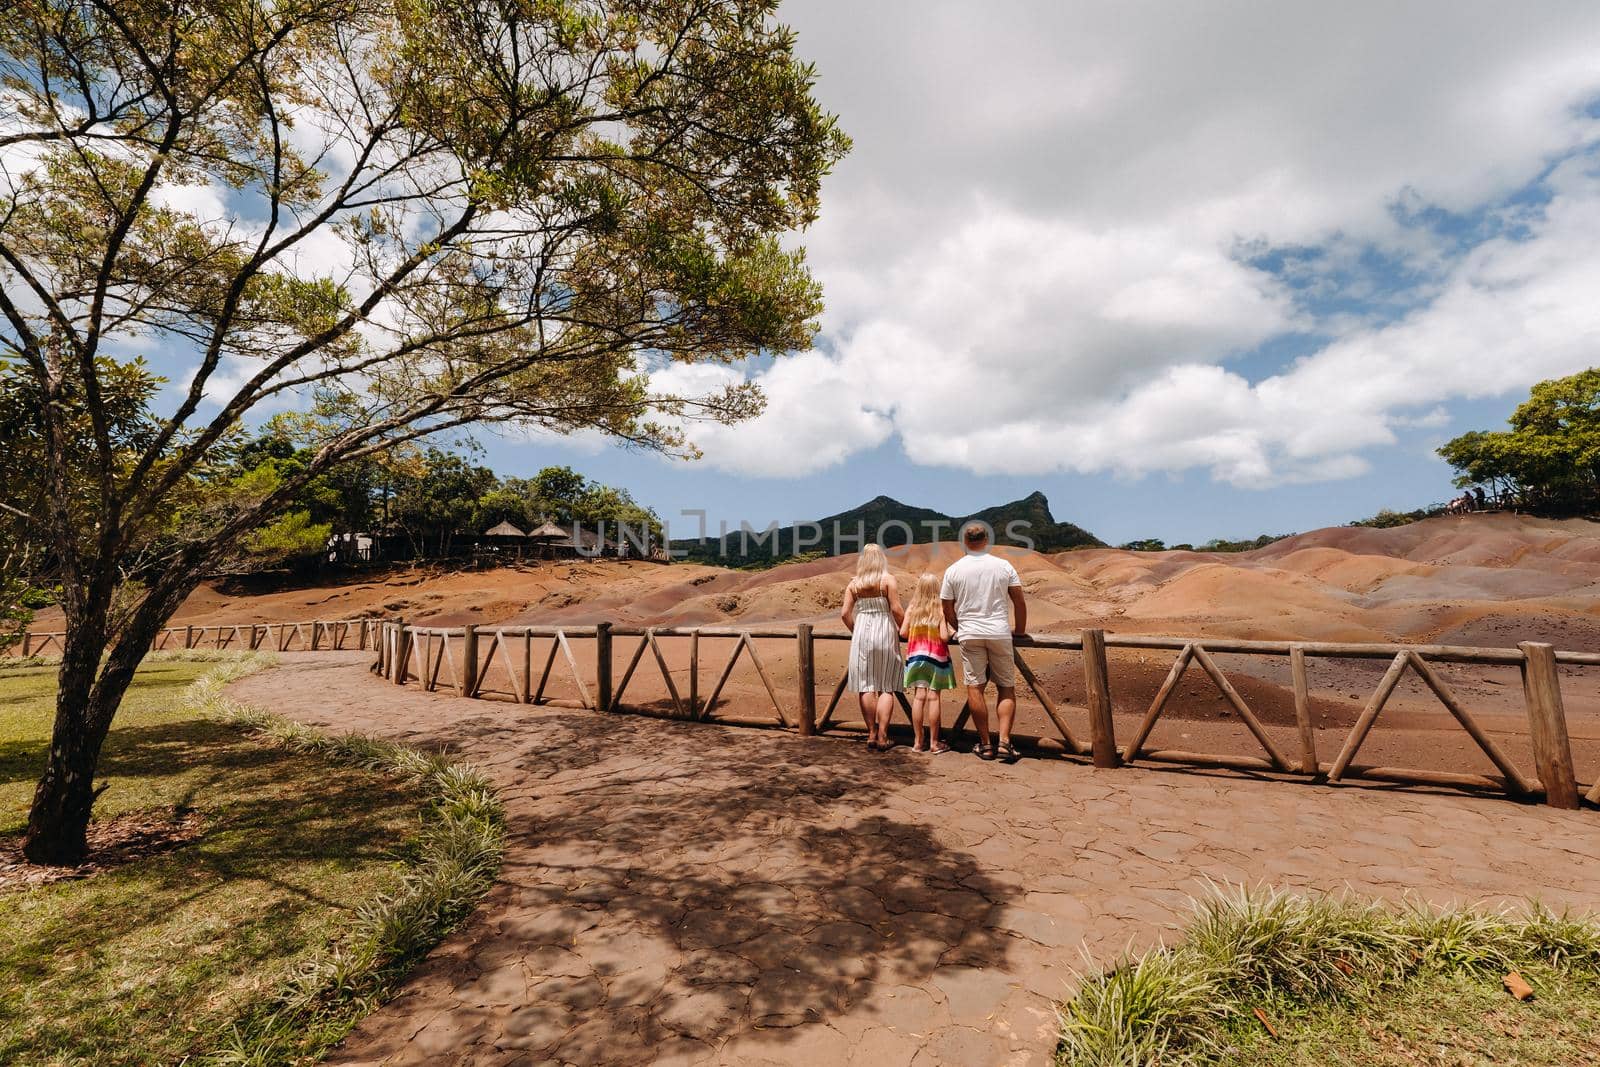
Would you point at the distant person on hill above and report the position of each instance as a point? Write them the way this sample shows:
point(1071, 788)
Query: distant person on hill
point(1481, 498)
point(975, 590)
point(872, 614)
point(928, 672)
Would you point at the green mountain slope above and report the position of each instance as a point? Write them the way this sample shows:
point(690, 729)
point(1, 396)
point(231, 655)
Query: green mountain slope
point(890, 523)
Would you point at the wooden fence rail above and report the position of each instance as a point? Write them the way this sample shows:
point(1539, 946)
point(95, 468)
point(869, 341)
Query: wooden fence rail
point(463, 657)
point(305, 636)
point(421, 653)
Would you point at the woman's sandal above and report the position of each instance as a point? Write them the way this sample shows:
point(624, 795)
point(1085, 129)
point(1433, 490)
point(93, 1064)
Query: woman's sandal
point(939, 748)
point(1008, 753)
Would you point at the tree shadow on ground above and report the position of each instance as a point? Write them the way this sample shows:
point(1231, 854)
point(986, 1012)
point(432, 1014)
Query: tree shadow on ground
point(671, 887)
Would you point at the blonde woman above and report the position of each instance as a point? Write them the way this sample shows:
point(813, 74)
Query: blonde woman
point(872, 614)
point(928, 673)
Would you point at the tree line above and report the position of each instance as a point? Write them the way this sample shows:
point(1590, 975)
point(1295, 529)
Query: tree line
point(431, 500)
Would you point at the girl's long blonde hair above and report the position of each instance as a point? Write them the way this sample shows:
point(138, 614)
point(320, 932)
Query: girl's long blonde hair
point(872, 572)
point(925, 609)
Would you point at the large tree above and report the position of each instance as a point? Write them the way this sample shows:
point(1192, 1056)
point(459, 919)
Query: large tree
point(423, 214)
point(1549, 459)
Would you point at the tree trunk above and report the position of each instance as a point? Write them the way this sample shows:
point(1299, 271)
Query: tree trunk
point(65, 795)
point(88, 694)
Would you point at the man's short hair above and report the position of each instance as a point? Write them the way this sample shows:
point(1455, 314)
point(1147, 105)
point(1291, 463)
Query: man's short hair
point(974, 533)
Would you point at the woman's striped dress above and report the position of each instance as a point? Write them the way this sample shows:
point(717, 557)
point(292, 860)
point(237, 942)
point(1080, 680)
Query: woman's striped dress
point(875, 663)
point(928, 660)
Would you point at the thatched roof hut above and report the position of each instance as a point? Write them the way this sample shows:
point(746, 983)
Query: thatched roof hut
point(503, 529)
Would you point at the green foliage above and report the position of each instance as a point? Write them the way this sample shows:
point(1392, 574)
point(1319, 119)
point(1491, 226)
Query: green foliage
point(15, 614)
point(314, 890)
point(761, 563)
point(1291, 954)
point(1219, 544)
point(1388, 519)
point(1216, 544)
point(144, 963)
point(1549, 460)
point(289, 537)
point(462, 843)
point(1441, 1019)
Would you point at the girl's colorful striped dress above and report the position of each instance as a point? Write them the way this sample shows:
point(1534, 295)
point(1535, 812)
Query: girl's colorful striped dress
point(928, 660)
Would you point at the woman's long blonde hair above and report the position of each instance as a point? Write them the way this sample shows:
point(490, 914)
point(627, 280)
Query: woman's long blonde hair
point(925, 609)
point(872, 572)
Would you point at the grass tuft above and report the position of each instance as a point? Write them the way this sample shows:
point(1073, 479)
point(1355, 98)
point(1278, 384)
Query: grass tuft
point(1291, 954)
point(1154, 1008)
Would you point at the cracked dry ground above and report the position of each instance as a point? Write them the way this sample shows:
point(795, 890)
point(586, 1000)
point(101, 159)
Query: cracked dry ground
point(678, 893)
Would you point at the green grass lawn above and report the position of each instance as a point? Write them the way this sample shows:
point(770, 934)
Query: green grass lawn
point(154, 960)
point(1441, 1020)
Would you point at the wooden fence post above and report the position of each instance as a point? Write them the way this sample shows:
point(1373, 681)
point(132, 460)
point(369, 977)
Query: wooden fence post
point(694, 674)
point(469, 661)
point(1302, 710)
point(1097, 694)
point(402, 644)
point(188, 637)
point(1547, 722)
point(26, 638)
point(807, 670)
point(602, 665)
point(527, 668)
point(316, 634)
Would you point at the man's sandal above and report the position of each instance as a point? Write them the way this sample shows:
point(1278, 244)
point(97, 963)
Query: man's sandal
point(1008, 753)
point(983, 753)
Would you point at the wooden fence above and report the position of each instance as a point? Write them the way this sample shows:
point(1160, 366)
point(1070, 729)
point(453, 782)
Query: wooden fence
point(469, 654)
point(310, 636)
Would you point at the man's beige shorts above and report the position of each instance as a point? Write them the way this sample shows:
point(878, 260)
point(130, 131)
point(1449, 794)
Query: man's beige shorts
point(988, 659)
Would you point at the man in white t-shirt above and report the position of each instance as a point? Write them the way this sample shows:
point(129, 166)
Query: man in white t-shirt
point(975, 592)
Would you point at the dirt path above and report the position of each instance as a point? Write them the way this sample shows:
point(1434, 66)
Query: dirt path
point(678, 893)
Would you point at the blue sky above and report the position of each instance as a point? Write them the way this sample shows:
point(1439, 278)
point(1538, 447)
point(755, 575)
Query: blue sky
point(1191, 271)
point(1186, 506)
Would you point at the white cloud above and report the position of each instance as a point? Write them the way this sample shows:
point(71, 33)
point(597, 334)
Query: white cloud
point(1032, 259)
point(819, 412)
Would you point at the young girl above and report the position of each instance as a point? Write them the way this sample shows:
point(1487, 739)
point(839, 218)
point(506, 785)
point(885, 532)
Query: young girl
point(928, 670)
point(872, 614)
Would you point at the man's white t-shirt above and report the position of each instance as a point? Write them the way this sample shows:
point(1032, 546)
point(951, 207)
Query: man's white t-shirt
point(979, 583)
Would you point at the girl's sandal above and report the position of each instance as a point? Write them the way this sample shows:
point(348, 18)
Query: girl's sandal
point(938, 749)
